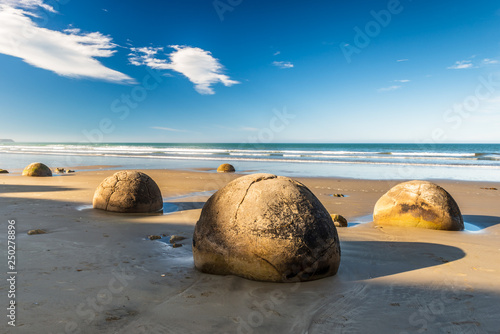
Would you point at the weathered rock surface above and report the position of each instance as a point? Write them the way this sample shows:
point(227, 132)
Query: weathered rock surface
point(418, 204)
point(129, 192)
point(226, 168)
point(37, 169)
point(339, 220)
point(268, 228)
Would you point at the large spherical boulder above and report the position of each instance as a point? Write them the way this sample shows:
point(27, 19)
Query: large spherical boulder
point(226, 168)
point(268, 228)
point(418, 204)
point(37, 169)
point(129, 192)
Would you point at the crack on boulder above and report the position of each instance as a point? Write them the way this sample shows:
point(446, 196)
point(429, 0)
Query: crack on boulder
point(262, 178)
point(268, 262)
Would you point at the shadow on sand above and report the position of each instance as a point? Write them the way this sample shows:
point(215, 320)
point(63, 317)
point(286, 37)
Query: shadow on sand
point(363, 260)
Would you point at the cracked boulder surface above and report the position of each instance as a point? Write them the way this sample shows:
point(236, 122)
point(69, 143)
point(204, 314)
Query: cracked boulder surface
point(37, 169)
point(418, 204)
point(267, 228)
point(128, 192)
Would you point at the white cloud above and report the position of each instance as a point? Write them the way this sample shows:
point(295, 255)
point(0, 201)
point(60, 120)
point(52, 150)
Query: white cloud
point(283, 64)
point(28, 4)
point(70, 53)
point(388, 89)
point(400, 60)
point(198, 65)
point(247, 128)
point(276, 53)
point(238, 129)
point(168, 129)
point(490, 106)
point(488, 61)
point(461, 64)
point(402, 81)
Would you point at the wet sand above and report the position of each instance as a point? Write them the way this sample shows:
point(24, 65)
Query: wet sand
point(96, 272)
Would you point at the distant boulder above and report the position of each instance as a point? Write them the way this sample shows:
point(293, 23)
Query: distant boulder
point(226, 168)
point(128, 192)
point(37, 169)
point(267, 228)
point(339, 220)
point(3, 171)
point(418, 204)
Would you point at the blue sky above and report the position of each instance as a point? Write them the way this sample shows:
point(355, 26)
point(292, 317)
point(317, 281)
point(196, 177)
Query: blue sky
point(240, 71)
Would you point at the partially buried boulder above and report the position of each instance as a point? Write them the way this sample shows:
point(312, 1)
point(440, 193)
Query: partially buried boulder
point(418, 204)
point(3, 171)
point(37, 169)
point(129, 192)
point(268, 228)
point(226, 168)
point(339, 220)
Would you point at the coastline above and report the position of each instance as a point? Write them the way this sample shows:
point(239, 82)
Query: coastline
point(96, 272)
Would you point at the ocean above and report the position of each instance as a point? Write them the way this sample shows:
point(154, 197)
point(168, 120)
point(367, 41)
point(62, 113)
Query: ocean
point(474, 162)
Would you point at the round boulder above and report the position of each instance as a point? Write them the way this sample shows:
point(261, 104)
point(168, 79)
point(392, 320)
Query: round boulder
point(37, 169)
point(267, 228)
point(339, 220)
point(129, 192)
point(418, 204)
point(226, 168)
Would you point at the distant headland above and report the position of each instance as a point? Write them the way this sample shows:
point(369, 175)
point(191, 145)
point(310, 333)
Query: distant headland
point(6, 141)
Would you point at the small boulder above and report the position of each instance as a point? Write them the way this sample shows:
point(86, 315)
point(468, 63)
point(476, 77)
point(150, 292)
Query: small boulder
point(338, 220)
point(418, 204)
point(59, 170)
point(37, 169)
point(129, 192)
point(37, 231)
point(176, 238)
point(3, 171)
point(267, 228)
point(226, 168)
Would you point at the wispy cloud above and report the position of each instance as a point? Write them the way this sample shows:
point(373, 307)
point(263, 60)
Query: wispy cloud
point(276, 53)
point(168, 129)
point(488, 61)
point(400, 60)
point(69, 53)
point(29, 4)
point(402, 80)
point(238, 129)
point(248, 128)
point(198, 65)
point(388, 89)
point(283, 64)
point(490, 106)
point(461, 65)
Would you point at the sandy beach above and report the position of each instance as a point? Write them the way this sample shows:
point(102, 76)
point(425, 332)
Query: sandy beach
point(97, 272)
